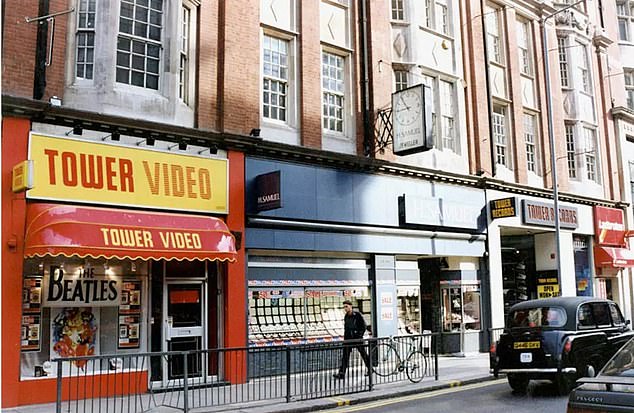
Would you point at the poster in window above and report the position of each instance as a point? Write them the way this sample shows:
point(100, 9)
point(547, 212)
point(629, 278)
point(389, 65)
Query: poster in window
point(74, 333)
point(130, 297)
point(30, 339)
point(129, 331)
point(32, 295)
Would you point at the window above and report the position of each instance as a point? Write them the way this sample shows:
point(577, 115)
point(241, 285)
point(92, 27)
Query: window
point(499, 135)
point(275, 78)
point(624, 13)
point(437, 16)
point(333, 89)
point(400, 79)
point(139, 43)
point(397, 10)
point(494, 36)
point(590, 153)
point(443, 108)
point(530, 130)
point(570, 151)
point(563, 62)
point(183, 64)
point(524, 42)
point(629, 87)
point(583, 68)
point(85, 47)
point(447, 113)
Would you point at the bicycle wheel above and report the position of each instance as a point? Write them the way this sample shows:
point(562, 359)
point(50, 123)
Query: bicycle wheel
point(385, 359)
point(416, 366)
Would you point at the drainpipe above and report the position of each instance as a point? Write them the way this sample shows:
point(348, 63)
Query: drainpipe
point(39, 78)
point(368, 144)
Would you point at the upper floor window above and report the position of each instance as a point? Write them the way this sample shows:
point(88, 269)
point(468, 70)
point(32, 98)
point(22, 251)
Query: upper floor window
point(629, 87)
point(584, 72)
point(530, 132)
point(85, 39)
point(275, 78)
point(139, 43)
point(333, 91)
point(563, 62)
point(494, 35)
point(500, 137)
point(625, 15)
point(525, 45)
point(590, 153)
point(444, 108)
point(184, 60)
point(398, 11)
point(400, 80)
point(571, 151)
point(437, 16)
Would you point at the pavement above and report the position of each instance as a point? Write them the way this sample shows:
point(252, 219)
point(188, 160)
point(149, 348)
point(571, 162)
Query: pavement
point(453, 371)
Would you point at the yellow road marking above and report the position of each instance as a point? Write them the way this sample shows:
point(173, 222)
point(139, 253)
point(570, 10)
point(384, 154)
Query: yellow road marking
point(453, 387)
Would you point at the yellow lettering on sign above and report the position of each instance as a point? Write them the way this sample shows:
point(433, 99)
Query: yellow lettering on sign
point(74, 170)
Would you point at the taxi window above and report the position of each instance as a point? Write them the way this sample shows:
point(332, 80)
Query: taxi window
point(617, 318)
point(601, 314)
point(537, 317)
point(585, 316)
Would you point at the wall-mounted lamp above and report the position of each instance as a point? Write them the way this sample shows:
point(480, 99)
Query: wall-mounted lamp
point(114, 136)
point(213, 149)
point(55, 101)
point(255, 132)
point(77, 130)
point(182, 146)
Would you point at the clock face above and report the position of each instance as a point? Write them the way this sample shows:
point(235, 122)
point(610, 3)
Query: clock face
point(408, 107)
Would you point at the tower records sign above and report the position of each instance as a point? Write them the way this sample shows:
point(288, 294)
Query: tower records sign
point(84, 289)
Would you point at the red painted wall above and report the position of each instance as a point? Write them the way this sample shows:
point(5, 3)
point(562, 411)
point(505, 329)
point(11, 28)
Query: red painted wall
point(15, 133)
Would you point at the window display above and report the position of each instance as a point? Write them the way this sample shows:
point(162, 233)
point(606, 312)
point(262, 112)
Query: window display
point(408, 301)
point(298, 315)
point(460, 306)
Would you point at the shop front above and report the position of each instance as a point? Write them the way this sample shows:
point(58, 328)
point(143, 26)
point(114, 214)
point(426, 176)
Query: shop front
point(317, 236)
point(101, 278)
point(612, 256)
point(522, 250)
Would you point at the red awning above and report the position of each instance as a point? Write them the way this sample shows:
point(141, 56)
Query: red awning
point(613, 257)
point(69, 230)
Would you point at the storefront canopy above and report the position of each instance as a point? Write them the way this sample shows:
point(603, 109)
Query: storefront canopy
point(69, 230)
point(614, 257)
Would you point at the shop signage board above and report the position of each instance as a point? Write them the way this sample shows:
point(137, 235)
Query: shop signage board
point(68, 169)
point(503, 208)
point(411, 120)
point(541, 213)
point(438, 212)
point(548, 284)
point(267, 191)
point(22, 176)
point(84, 289)
point(609, 226)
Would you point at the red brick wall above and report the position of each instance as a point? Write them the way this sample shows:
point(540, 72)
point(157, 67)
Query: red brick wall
point(207, 103)
point(240, 71)
point(310, 72)
point(19, 42)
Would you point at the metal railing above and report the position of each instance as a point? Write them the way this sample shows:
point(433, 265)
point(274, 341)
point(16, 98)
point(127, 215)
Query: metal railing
point(196, 379)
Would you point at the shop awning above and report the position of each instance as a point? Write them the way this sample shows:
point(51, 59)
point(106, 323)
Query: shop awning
point(69, 230)
point(613, 256)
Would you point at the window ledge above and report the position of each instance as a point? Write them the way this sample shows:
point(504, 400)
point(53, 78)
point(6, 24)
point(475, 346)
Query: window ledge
point(436, 33)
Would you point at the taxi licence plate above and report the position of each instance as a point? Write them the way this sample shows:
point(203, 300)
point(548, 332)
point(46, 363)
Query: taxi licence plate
point(526, 344)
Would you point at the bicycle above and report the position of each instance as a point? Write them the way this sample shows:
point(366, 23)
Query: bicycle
point(387, 359)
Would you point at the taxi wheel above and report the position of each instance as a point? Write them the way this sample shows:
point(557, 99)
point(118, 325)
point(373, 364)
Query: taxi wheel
point(518, 382)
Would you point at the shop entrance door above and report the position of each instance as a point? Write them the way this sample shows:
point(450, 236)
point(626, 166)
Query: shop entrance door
point(185, 321)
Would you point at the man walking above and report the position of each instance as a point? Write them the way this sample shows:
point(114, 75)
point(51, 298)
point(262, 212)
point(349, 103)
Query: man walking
point(353, 329)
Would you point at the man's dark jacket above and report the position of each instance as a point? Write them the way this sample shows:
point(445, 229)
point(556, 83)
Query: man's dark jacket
point(354, 325)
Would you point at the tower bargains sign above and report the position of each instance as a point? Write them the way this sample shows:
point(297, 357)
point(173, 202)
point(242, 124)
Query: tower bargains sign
point(74, 170)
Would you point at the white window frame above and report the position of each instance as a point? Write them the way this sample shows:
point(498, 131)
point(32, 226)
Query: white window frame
point(590, 153)
point(398, 10)
point(495, 35)
point(328, 93)
point(625, 18)
point(444, 111)
point(147, 41)
point(584, 69)
point(571, 151)
point(525, 46)
point(401, 79)
point(530, 141)
point(85, 39)
point(283, 78)
point(564, 68)
point(500, 122)
point(628, 75)
point(438, 16)
point(185, 36)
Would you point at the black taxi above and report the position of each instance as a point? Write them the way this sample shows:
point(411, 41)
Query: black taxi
point(558, 339)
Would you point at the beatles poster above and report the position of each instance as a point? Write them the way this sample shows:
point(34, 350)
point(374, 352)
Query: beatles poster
point(74, 333)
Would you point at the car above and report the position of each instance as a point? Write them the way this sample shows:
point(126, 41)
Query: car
point(559, 339)
point(612, 390)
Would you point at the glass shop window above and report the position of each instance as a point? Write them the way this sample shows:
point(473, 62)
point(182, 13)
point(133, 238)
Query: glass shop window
point(408, 301)
point(461, 308)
